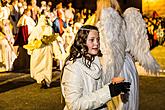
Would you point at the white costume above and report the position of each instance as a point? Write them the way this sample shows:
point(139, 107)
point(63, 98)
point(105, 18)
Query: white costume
point(120, 39)
point(82, 87)
point(26, 20)
point(7, 53)
point(69, 15)
point(41, 58)
point(6, 12)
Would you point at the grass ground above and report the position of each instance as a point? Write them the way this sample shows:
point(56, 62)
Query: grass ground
point(152, 89)
point(159, 54)
point(24, 94)
point(152, 93)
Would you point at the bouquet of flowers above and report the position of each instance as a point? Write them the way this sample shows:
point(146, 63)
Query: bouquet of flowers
point(46, 40)
point(35, 44)
point(49, 39)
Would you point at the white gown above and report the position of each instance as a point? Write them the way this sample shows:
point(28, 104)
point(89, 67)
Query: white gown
point(41, 61)
point(7, 53)
point(120, 39)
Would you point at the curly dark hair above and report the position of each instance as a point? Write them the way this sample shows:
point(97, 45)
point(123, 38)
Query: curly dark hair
point(79, 48)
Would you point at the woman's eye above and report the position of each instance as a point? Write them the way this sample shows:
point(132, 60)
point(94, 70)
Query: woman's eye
point(91, 40)
point(98, 39)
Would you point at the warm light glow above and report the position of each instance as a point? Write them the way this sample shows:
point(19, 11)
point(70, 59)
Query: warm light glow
point(148, 6)
point(151, 1)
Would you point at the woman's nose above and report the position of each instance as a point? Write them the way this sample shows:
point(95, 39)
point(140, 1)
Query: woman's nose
point(96, 42)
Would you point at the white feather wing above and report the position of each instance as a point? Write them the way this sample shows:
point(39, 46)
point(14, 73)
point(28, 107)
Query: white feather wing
point(137, 40)
point(112, 43)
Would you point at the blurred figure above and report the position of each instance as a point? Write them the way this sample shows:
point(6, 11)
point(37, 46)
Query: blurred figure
point(155, 15)
point(59, 24)
point(15, 15)
point(41, 61)
point(84, 14)
point(50, 6)
point(77, 25)
point(5, 10)
point(35, 10)
point(25, 25)
point(69, 13)
point(59, 7)
point(43, 6)
point(7, 53)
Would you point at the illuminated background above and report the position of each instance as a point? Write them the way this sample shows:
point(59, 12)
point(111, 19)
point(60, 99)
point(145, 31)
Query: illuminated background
point(146, 6)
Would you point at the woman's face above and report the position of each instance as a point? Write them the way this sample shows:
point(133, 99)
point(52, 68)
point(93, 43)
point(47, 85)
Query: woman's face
point(93, 42)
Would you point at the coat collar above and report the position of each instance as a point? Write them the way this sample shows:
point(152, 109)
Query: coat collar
point(94, 71)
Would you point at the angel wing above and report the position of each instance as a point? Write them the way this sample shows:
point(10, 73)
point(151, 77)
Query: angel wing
point(112, 43)
point(137, 42)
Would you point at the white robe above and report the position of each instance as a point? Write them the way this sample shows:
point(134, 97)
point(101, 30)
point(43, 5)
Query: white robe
point(7, 55)
point(26, 20)
point(83, 88)
point(41, 61)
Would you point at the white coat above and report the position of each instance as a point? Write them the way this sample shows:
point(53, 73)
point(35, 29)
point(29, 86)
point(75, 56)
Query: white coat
point(82, 87)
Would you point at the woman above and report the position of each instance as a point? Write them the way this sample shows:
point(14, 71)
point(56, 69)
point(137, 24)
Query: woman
point(123, 37)
point(82, 84)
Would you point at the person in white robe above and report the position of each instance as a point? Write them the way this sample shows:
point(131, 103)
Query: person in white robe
point(69, 13)
point(7, 53)
point(26, 19)
point(5, 10)
point(41, 61)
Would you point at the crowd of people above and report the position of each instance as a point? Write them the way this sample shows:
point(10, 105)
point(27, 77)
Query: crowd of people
point(18, 18)
point(155, 29)
point(18, 15)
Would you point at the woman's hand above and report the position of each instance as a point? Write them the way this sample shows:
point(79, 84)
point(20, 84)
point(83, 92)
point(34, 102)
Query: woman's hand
point(117, 80)
point(117, 88)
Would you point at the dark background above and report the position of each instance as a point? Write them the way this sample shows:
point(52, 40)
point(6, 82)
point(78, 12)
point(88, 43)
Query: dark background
point(91, 4)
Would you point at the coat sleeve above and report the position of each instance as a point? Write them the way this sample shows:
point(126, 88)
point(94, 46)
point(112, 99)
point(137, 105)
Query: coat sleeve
point(72, 89)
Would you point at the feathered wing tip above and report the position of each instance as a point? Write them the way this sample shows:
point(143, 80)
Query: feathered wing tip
point(112, 42)
point(137, 40)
